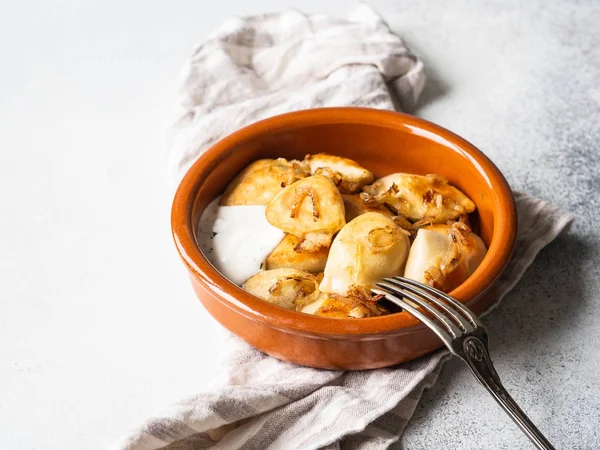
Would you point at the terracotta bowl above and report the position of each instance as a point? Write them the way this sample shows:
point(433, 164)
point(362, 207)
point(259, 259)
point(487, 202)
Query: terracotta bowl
point(384, 142)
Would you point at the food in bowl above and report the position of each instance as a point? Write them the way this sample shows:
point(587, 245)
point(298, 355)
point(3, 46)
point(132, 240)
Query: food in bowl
point(315, 235)
point(384, 142)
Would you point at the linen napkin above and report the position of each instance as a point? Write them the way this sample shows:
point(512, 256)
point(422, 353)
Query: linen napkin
point(257, 67)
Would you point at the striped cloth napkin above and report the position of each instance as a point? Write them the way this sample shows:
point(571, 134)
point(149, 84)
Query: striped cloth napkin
point(256, 67)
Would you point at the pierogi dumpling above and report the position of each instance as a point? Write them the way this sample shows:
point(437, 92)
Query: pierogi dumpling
point(358, 303)
point(288, 288)
point(443, 256)
point(367, 249)
point(354, 207)
point(348, 175)
point(426, 199)
point(288, 254)
point(311, 209)
point(261, 181)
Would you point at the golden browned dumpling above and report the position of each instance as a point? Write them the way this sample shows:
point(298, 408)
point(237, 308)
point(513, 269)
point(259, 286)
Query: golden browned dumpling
point(443, 256)
point(367, 249)
point(311, 209)
point(347, 174)
point(358, 303)
point(288, 288)
point(288, 254)
point(261, 181)
point(354, 207)
point(426, 199)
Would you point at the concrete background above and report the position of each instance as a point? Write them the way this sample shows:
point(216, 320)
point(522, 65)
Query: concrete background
point(98, 326)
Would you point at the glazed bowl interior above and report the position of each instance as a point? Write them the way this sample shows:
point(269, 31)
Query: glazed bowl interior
point(383, 142)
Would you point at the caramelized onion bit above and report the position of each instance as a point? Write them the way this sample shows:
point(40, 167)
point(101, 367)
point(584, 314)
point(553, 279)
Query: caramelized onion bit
point(382, 239)
point(336, 177)
point(301, 193)
point(371, 198)
point(405, 226)
point(289, 171)
point(357, 303)
point(305, 288)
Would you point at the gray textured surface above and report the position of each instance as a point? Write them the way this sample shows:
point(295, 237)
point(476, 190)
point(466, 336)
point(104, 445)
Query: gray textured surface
point(520, 80)
point(98, 326)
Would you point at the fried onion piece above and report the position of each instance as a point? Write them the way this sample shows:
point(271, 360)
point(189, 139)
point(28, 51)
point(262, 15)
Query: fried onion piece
point(348, 175)
point(357, 303)
point(408, 228)
point(261, 181)
point(289, 254)
point(424, 199)
point(368, 248)
point(444, 256)
point(288, 288)
point(354, 207)
point(311, 209)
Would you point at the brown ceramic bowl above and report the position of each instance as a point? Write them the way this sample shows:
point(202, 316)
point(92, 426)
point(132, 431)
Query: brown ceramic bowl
point(384, 142)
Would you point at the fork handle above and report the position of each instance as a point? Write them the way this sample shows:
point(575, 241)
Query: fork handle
point(478, 359)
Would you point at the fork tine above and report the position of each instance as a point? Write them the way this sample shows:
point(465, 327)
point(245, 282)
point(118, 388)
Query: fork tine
point(458, 305)
point(400, 291)
point(444, 336)
point(462, 321)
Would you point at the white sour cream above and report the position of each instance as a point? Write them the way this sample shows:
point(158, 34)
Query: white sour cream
point(237, 239)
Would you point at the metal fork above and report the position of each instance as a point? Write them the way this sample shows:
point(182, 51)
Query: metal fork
point(464, 335)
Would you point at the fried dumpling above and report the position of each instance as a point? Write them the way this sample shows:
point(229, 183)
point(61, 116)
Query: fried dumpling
point(367, 249)
point(288, 288)
point(354, 207)
point(426, 199)
point(358, 303)
point(288, 254)
point(443, 256)
point(311, 209)
point(261, 181)
point(348, 175)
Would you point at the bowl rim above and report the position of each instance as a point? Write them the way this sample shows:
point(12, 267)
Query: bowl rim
point(498, 255)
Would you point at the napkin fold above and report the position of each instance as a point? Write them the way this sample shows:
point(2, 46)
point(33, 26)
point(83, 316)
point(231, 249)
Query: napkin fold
point(260, 66)
point(252, 68)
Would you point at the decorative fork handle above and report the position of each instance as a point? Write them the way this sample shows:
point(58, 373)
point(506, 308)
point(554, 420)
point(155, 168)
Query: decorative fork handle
point(476, 355)
point(463, 334)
